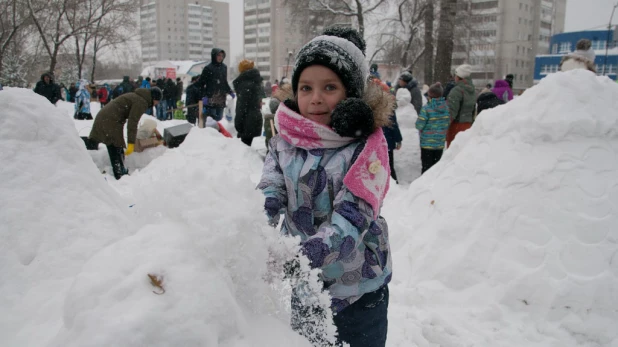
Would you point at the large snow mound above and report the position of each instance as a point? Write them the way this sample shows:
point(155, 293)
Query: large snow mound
point(205, 235)
point(512, 238)
point(55, 211)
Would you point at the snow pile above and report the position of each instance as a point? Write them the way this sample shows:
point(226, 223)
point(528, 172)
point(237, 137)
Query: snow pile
point(512, 239)
point(205, 236)
point(55, 211)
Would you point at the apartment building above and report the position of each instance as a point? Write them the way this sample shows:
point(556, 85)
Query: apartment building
point(500, 37)
point(272, 37)
point(183, 29)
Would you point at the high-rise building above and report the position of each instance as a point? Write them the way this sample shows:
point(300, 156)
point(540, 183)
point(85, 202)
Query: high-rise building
point(183, 29)
point(500, 37)
point(271, 37)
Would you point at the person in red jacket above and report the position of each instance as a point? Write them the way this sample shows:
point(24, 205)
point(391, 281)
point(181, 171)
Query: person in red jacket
point(103, 96)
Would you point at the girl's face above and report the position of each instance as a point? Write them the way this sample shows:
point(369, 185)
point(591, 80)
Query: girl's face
point(319, 91)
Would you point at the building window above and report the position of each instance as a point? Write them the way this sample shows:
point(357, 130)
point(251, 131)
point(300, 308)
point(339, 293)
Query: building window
point(596, 45)
point(565, 47)
point(554, 48)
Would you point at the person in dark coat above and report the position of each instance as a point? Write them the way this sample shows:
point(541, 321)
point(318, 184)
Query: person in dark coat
point(214, 85)
point(393, 138)
point(47, 88)
point(169, 95)
point(124, 87)
point(406, 80)
point(179, 89)
point(108, 126)
point(248, 85)
point(72, 92)
point(487, 100)
point(193, 97)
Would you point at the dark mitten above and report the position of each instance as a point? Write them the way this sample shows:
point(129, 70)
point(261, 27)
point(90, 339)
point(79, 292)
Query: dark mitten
point(353, 118)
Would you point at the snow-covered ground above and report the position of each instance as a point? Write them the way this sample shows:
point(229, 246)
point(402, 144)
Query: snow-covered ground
point(511, 240)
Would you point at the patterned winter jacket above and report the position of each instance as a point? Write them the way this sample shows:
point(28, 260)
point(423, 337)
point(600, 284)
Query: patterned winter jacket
point(340, 233)
point(433, 123)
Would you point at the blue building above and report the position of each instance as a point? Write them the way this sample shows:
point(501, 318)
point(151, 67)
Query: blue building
point(561, 44)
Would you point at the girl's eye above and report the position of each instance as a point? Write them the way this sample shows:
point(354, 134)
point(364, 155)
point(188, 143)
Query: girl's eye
point(305, 88)
point(331, 87)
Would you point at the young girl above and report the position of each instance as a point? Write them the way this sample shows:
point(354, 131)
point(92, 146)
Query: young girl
point(82, 101)
point(327, 172)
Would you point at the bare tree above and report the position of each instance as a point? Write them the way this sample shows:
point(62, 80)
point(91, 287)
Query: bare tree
point(444, 51)
point(400, 34)
point(354, 9)
point(52, 18)
point(14, 16)
point(428, 17)
point(108, 22)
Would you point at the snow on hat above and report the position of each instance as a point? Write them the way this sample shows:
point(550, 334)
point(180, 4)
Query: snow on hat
point(341, 50)
point(436, 90)
point(406, 76)
point(463, 71)
point(582, 57)
point(245, 65)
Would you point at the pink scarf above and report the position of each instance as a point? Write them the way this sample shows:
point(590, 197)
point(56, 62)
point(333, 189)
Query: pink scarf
point(368, 177)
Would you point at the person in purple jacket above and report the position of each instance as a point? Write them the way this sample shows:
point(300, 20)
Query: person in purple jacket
point(503, 91)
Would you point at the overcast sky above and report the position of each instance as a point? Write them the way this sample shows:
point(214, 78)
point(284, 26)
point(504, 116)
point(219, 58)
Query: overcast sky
point(580, 15)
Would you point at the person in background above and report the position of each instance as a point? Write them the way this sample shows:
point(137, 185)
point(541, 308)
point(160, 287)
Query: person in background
point(146, 83)
point(124, 87)
point(503, 91)
point(268, 89)
point(169, 95)
point(180, 88)
point(47, 88)
point(65, 90)
point(407, 81)
point(1, 86)
point(274, 87)
point(509, 79)
point(82, 101)
point(582, 58)
point(433, 124)
point(486, 100)
point(72, 92)
point(147, 135)
point(193, 98)
point(103, 95)
point(449, 85)
point(283, 93)
point(248, 85)
point(108, 127)
point(393, 139)
point(461, 103)
point(326, 172)
point(178, 111)
point(214, 85)
point(211, 123)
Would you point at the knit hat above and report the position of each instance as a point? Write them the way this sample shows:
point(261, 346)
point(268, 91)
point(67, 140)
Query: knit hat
point(435, 90)
point(245, 65)
point(406, 76)
point(463, 71)
point(341, 50)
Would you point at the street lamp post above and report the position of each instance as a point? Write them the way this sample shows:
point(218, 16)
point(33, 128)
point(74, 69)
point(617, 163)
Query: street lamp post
point(609, 28)
point(290, 54)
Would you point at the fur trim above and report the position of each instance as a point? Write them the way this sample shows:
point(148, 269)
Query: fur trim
point(284, 92)
point(381, 103)
point(589, 65)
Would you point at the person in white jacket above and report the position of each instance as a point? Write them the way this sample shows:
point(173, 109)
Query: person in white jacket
point(406, 114)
